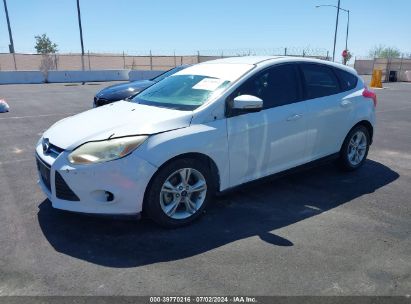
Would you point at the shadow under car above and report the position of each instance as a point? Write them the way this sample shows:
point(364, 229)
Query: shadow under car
point(255, 209)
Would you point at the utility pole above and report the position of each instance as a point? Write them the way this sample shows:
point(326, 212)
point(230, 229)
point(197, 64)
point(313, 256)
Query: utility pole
point(348, 28)
point(348, 23)
point(336, 28)
point(11, 45)
point(81, 33)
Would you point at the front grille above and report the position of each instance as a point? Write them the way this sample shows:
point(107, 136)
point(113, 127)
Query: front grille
point(54, 149)
point(44, 171)
point(63, 191)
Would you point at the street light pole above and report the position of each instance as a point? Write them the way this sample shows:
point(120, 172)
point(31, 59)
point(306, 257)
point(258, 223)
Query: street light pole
point(11, 45)
point(348, 21)
point(336, 29)
point(81, 33)
point(348, 26)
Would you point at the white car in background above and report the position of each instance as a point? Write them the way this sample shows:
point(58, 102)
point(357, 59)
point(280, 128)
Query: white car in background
point(207, 128)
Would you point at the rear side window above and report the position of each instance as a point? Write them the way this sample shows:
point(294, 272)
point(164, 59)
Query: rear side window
point(319, 81)
point(348, 81)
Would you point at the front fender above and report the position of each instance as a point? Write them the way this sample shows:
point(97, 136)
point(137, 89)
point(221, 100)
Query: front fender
point(209, 139)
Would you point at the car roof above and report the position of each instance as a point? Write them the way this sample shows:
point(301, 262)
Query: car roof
point(263, 61)
point(244, 59)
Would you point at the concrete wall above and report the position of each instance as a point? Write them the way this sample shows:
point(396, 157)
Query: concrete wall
point(8, 77)
point(405, 76)
point(141, 75)
point(401, 65)
point(87, 76)
point(364, 67)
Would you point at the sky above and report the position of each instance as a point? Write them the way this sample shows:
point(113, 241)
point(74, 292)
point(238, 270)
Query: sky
point(184, 26)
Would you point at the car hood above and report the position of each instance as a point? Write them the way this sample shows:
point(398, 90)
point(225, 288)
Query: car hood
point(115, 120)
point(124, 89)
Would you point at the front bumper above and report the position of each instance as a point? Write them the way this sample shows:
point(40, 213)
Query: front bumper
point(126, 179)
point(100, 101)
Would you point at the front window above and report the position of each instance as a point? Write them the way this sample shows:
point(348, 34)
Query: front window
point(276, 86)
point(182, 92)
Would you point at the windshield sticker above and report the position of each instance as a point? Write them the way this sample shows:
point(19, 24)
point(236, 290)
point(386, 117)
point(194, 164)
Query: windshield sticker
point(208, 84)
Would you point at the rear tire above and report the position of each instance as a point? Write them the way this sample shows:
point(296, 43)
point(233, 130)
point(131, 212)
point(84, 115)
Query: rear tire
point(179, 193)
point(355, 148)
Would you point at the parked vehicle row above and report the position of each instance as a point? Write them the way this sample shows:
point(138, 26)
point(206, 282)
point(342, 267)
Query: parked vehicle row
point(126, 90)
point(207, 128)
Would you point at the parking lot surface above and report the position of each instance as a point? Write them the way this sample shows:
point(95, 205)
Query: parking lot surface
point(317, 232)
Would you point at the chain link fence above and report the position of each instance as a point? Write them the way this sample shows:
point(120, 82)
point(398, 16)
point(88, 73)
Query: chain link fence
point(152, 60)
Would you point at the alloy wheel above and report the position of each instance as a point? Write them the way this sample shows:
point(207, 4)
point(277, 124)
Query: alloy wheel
point(357, 148)
point(183, 193)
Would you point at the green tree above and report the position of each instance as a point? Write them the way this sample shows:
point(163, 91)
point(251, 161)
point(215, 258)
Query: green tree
point(382, 51)
point(44, 45)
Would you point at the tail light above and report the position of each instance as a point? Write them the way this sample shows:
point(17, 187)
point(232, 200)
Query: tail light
point(370, 94)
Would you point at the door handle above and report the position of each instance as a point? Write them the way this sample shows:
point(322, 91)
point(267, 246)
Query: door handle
point(294, 117)
point(345, 103)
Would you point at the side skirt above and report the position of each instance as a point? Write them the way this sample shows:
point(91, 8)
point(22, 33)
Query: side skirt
point(307, 166)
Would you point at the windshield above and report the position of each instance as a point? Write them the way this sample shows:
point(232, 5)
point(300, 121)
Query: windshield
point(193, 86)
point(181, 92)
point(167, 73)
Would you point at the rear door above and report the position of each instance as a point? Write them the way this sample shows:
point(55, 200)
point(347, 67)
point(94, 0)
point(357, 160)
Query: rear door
point(273, 139)
point(327, 110)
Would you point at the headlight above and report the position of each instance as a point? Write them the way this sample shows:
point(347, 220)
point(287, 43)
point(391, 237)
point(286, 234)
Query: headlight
point(102, 151)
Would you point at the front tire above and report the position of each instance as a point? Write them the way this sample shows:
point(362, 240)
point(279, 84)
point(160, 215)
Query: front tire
point(179, 192)
point(355, 148)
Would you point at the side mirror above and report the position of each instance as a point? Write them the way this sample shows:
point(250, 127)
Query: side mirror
point(247, 103)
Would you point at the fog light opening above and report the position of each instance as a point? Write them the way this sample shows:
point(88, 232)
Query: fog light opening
point(102, 196)
point(109, 196)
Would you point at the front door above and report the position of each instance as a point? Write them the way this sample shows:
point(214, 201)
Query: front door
point(273, 139)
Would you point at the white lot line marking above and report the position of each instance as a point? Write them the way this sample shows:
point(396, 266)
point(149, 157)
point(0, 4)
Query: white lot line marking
point(16, 161)
point(17, 150)
point(34, 116)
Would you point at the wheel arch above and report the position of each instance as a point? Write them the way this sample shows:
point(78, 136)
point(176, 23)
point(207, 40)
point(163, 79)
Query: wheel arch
point(369, 127)
point(190, 155)
point(364, 123)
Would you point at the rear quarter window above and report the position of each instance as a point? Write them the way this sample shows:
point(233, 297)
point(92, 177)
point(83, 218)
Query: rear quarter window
point(348, 81)
point(319, 80)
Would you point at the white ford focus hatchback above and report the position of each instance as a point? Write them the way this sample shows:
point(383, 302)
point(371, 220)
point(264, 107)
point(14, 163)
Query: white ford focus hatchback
point(207, 128)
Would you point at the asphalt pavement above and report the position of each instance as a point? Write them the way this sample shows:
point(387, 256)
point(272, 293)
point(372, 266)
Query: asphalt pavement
point(317, 232)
